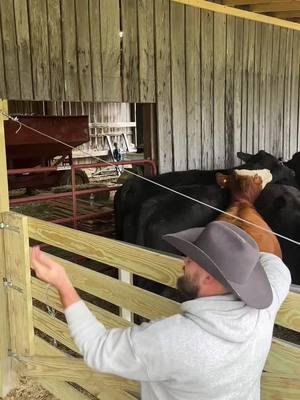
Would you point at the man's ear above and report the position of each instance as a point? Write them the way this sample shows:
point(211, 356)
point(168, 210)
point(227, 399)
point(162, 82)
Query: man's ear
point(222, 180)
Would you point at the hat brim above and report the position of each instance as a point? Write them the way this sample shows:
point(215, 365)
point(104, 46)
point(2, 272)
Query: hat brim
point(256, 292)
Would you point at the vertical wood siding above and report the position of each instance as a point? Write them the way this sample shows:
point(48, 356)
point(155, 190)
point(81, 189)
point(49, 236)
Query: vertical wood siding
point(221, 84)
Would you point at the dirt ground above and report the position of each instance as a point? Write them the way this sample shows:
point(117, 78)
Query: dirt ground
point(29, 390)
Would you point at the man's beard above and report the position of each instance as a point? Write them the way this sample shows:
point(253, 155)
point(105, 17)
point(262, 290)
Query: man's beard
point(187, 289)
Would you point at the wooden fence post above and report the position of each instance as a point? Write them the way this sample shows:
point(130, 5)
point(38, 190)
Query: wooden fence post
point(4, 200)
point(7, 379)
point(18, 284)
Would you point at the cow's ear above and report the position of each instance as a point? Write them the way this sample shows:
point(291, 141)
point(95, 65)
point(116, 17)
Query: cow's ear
point(244, 156)
point(222, 180)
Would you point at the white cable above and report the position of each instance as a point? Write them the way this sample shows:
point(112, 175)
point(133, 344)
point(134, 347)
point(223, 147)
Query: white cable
point(154, 183)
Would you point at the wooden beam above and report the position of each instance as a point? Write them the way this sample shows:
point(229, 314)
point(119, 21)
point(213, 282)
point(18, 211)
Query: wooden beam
point(108, 319)
point(120, 293)
point(236, 12)
point(286, 14)
point(7, 379)
point(272, 7)
point(16, 244)
point(289, 313)
point(139, 261)
point(279, 387)
point(4, 199)
point(64, 368)
point(234, 3)
point(97, 387)
point(62, 390)
point(284, 359)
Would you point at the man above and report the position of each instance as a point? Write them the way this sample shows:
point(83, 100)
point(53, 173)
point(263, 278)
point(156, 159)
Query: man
point(217, 347)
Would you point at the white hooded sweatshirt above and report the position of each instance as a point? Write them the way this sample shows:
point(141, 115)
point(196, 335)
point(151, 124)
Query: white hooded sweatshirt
point(214, 350)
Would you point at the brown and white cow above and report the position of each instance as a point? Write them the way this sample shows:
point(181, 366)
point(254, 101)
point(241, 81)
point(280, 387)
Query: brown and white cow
point(245, 186)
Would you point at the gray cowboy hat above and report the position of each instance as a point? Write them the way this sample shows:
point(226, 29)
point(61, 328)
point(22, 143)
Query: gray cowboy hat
point(231, 256)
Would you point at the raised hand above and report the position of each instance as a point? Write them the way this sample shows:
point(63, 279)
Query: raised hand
point(47, 269)
point(53, 273)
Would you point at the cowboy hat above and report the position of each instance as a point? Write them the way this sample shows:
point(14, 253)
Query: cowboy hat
point(231, 256)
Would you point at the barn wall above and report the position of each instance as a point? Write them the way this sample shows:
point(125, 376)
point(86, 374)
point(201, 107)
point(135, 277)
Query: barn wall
point(221, 83)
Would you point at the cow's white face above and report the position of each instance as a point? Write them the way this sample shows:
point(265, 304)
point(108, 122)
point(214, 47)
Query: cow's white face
point(264, 174)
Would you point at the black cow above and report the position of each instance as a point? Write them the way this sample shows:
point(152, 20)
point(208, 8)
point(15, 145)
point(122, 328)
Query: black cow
point(283, 173)
point(294, 164)
point(130, 198)
point(278, 204)
point(170, 212)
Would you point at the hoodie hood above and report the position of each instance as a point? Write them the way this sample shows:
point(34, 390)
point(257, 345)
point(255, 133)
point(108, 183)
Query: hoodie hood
point(225, 316)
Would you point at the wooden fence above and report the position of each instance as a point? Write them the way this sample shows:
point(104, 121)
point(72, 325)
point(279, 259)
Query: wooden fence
point(58, 367)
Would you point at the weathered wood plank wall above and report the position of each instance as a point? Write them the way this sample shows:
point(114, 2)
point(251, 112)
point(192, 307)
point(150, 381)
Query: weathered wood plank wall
point(221, 83)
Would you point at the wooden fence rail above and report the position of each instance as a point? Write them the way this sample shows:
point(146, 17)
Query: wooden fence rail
point(51, 357)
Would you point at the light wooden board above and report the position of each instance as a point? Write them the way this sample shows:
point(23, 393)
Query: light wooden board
point(219, 89)
point(18, 273)
point(130, 65)
point(5, 366)
point(55, 49)
point(40, 51)
point(111, 50)
point(7, 379)
point(70, 60)
point(207, 67)
point(83, 49)
point(4, 200)
point(120, 293)
point(146, 263)
point(145, 9)
point(23, 42)
point(62, 390)
point(10, 51)
point(53, 327)
point(279, 388)
point(52, 299)
point(289, 313)
point(64, 368)
point(96, 50)
point(284, 359)
point(193, 86)
point(163, 85)
point(97, 386)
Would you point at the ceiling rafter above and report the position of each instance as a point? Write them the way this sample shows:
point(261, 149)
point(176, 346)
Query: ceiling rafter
point(283, 9)
point(286, 14)
point(275, 7)
point(234, 3)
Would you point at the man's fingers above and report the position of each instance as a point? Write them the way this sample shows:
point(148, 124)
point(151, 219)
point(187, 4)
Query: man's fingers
point(43, 260)
point(46, 261)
